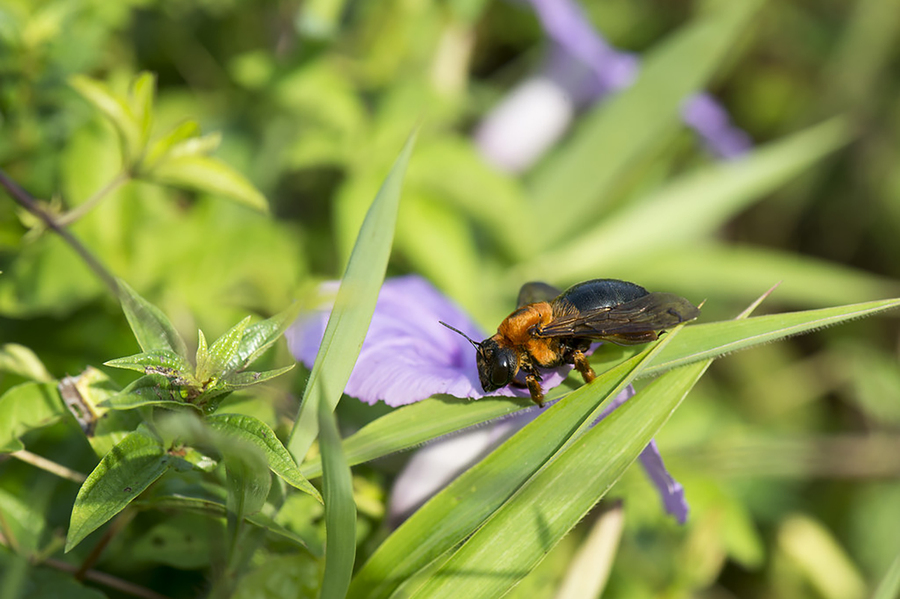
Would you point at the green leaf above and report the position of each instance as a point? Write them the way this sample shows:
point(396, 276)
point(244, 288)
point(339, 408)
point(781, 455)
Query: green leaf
point(157, 361)
point(27, 407)
point(149, 390)
point(454, 513)
point(150, 326)
point(632, 123)
point(353, 308)
point(248, 378)
point(259, 435)
point(122, 474)
point(556, 498)
point(21, 361)
point(165, 144)
point(889, 587)
point(261, 336)
point(143, 91)
point(117, 111)
point(710, 196)
point(247, 480)
point(207, 175)
point(222, 358)
point(412, 425)
point(340, 509)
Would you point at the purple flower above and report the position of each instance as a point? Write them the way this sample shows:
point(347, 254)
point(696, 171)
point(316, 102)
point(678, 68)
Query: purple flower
point(581, 69)
point(408, 356)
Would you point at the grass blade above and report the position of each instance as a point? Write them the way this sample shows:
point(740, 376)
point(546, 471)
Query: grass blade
point(353, 308)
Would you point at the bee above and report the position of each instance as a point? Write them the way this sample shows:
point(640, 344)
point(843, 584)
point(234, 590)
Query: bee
point(549, 329)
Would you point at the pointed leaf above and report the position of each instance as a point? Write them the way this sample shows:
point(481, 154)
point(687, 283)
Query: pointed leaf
point(157, 361)
point(340, 509)
point(150, 326)
point(116, 110)
point(165, 144)
point(249, 378)
point(353, 307)
point(223, 358)
point(143, 92)
point(207, 175)
point(150, 390)
point(261, 336)
point(122, 474)
point(258, 434)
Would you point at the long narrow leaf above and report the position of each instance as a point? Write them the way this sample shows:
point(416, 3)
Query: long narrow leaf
point(514, 541)
point(150, 326)
point(622, 130)
point(889, 587)
point(340, 510)
point(353, 308)
point(454, 513)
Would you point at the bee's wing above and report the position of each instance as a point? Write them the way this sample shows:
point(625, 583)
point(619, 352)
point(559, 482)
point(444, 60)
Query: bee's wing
point(647, 314)
point(536, 291)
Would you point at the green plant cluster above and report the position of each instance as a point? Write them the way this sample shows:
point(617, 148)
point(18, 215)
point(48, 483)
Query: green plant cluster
point(344, 151)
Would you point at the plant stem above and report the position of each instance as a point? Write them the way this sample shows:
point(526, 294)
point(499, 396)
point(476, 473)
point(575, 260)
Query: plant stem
point(49, 465)
point(24, 199)
point(106, 580)
point(79, 211)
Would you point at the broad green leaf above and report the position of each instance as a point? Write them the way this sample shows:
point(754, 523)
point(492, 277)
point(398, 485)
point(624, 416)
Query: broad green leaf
point(222, 357)
point(248, 482)
point(634, 122)
point(182, 540)
point(149, 390)
point(889, 587)
point(353, 308)
point(208, 175)
point(27, 407)
point(249, 378)
point(122, 474)
point(699, 202)
point(454, 513)
point(556, 498)
point(20, 360)
point(150, 326)
point(340, 509)
point(85, 396)
point(261, 336)
point(279, 576)
point(156, 361)
point(117, 111)
point(259, 435)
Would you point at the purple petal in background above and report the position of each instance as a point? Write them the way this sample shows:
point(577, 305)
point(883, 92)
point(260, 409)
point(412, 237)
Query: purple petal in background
point(669, 489)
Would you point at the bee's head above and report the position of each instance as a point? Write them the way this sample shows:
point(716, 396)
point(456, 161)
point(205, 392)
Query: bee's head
point(496, 365)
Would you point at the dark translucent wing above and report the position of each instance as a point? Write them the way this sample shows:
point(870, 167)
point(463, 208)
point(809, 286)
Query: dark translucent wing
point(535, 291)
point(652, 312)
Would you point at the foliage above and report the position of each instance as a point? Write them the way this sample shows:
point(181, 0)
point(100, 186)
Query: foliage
point(154, 473)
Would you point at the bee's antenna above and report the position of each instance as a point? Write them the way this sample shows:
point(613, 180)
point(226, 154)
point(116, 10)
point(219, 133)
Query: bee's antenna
point(474, 343)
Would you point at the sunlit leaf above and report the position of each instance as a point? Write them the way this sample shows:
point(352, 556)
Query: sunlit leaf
point(150, 326)
point(27, 407)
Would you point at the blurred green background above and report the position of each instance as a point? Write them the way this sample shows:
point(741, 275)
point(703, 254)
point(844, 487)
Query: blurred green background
point(790, 453)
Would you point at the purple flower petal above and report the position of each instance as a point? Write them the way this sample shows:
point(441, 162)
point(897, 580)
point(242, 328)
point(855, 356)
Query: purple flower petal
point(670, 490)
point(408, 355)
point(581, 69)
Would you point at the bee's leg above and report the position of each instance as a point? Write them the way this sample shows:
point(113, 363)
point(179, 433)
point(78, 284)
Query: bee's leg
point(534, 387)
point(583, 366)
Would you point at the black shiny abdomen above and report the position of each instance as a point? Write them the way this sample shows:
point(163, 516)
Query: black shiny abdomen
point(601, 293)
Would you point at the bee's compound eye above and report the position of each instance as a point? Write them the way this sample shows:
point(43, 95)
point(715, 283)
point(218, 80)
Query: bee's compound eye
point(501, 369)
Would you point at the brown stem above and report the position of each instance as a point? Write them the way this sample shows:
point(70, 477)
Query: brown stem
point(24, 199)
point(115, 528)
point(106, 580)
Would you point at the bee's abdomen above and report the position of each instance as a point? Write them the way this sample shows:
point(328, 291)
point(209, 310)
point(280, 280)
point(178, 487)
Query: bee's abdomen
point(597, 294)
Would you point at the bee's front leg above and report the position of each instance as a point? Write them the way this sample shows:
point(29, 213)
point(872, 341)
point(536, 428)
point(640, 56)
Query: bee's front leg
point(534, 387)
point(583, 366)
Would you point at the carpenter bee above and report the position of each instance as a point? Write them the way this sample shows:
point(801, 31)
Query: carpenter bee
point(549, 329)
